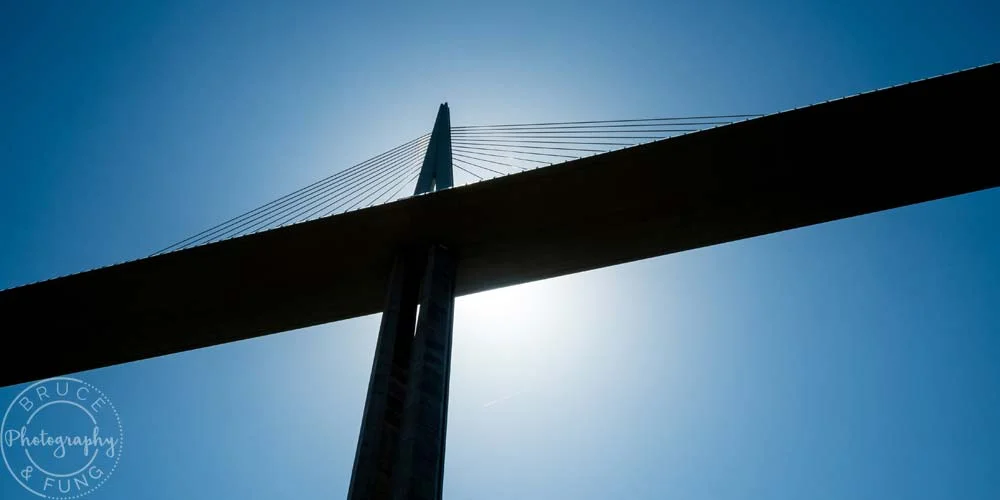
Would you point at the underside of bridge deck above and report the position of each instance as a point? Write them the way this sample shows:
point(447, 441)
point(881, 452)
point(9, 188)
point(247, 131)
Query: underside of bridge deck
point(876, 151)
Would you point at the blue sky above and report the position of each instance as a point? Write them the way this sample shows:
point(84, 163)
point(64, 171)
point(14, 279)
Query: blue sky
point(850, 360)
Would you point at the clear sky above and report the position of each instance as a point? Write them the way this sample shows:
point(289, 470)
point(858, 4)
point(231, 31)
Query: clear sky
point(856, 359)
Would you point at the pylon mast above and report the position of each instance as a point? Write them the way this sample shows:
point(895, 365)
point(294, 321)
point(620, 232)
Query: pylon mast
point(400, 454)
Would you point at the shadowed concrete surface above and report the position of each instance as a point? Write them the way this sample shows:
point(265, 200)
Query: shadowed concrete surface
point(907, 144)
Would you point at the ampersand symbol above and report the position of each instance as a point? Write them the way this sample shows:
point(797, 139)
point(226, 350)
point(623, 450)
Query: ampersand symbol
point(26, 473)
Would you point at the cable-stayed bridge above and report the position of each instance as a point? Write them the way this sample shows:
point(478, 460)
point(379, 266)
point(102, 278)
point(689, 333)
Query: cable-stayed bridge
point(470, 208)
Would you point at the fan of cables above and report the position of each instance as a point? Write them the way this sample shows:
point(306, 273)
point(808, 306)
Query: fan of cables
point(486, 151)
point(380, 179)
point(479, 152)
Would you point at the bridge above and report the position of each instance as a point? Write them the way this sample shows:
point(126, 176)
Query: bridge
point(346, 246)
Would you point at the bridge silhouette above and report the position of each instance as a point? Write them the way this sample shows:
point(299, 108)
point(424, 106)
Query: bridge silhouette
point(540, 200)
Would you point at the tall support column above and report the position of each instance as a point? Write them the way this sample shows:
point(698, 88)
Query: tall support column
point(382, 421)
point(400, 454)
point(420, 468)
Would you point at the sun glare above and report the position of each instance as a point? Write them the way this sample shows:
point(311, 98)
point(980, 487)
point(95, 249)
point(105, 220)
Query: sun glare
point(518, 339)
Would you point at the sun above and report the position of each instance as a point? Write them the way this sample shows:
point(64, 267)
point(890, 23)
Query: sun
point(506, 339)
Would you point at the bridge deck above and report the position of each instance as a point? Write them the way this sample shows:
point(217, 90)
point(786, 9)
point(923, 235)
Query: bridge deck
point(875, 151)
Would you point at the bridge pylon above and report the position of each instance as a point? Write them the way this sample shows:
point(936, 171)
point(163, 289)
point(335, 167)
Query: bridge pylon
point(400, 454)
